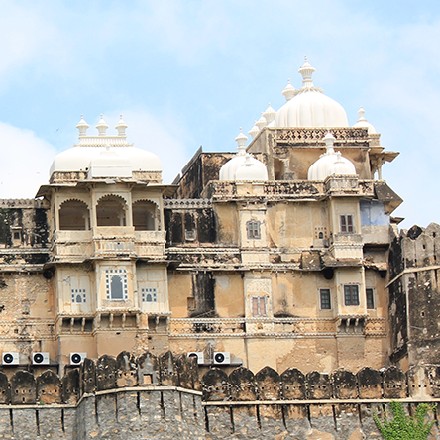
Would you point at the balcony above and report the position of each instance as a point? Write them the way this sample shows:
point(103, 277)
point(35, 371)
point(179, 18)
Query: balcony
point(347, 247)
point(72, 245)
point(108, 241)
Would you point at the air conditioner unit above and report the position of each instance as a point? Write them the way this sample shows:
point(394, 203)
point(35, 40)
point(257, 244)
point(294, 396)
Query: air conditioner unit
point(221, 358)
point(10, 358)
point(198, 355)
point(77, 358)
point(40, 358)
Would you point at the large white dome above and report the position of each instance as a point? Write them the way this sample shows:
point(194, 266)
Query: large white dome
point(309, 107)
point(112, 155)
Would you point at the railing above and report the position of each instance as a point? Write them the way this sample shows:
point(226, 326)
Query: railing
point(281, 327)
point(294, 189)
point(108, 241)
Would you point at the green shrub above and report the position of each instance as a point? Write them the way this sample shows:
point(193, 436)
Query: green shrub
point(404, 427)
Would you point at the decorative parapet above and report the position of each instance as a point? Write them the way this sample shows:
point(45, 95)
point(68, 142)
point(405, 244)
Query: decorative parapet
point(206, 257)
point(291, 189)
point(313, 136)
point(127, 396)
point(103, 141)
point(23, 203)
point(187, 203)
point(269, 327)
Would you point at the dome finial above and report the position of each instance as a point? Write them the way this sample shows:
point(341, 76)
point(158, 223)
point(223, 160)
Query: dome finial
point(254, 131)
point(261, 123)
point(121, 127)
point(241, 140)
point(329, 140)
point(102, 126)
point(306, 70)
point(82, 126)
point(289, 91)
point(361, 114)
point(269, 114)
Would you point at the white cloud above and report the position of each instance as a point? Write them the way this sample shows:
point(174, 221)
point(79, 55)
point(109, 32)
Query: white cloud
point(24, 163)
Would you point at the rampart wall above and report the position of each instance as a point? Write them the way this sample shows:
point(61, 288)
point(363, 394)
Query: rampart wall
point(164, 397)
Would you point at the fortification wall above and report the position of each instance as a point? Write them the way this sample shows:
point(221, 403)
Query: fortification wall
point(162, 397)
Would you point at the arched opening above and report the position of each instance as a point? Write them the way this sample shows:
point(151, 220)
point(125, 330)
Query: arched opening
point(73, 215)
point(110, 211)
point(144, 215)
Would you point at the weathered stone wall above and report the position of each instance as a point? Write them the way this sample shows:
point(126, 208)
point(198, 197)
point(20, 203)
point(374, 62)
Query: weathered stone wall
point(414, 296)
point(163, 398)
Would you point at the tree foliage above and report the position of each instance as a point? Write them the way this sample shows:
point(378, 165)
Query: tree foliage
point(404, 427)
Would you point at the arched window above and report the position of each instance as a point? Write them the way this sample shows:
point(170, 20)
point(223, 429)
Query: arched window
point(144, 215)
point(116, 284)
point(110, 211)
point(73, 215)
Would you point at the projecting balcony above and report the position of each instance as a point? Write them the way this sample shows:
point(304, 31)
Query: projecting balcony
point(72, 245)
point(108, 241)
point(347, 247)
point(126, 241)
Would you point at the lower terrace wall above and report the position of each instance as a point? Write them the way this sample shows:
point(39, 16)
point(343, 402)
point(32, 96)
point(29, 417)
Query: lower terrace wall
point(163, 398)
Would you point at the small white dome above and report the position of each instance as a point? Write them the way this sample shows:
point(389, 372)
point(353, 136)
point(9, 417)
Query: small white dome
point(243, 166)
point(254, 131)
point(363, 123)
point(251, 169)
point(269, 114)
point(261, 123)
point(330, 163)
point(310, 107)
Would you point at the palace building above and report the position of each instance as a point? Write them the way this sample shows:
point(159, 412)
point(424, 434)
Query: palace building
point(277, 255)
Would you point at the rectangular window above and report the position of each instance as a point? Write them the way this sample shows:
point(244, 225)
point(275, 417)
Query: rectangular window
point(116, 284)
point(347, 224)
point(259, 306)
point(78, 295)
point(370, 298)
point(324, 297)
point(351, 294)
point(253, 229)
point(149, 294)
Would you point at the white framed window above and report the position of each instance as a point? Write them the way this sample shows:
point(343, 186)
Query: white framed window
point(259, 305)
point(149, 294)
point(325, 299)
point(116, 284)
point(351, 294)
point(78, 295)
point(253, 229)
point(346, 224)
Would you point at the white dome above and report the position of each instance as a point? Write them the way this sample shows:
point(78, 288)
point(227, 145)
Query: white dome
point(363, 123)
point(330, 163)
point(79, 158)
point(310, 107)
point(251, 169)
point(103, 155)
point(243, 166)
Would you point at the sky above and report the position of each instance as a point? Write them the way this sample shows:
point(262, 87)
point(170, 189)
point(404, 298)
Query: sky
point(190, 73)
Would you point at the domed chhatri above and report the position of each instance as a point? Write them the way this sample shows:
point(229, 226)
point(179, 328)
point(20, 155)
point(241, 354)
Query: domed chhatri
point(243, 166)
point(330, 163)
point(104, 155)
point(363, 123)
point(308, 107)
